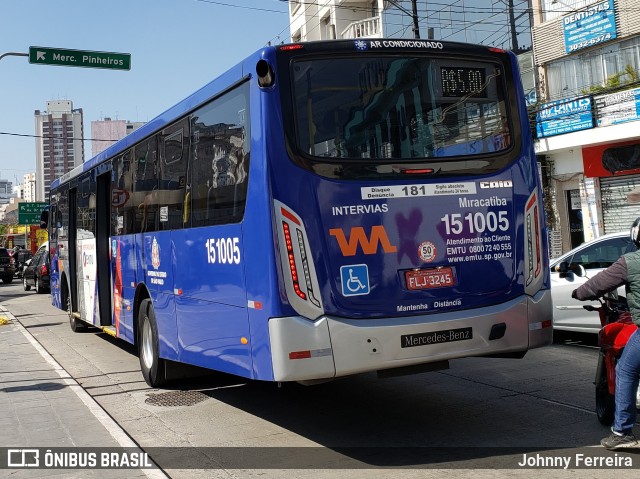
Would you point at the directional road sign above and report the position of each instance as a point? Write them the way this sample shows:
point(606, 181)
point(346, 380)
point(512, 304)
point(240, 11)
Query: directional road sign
point(79, 58)
point(29, 213)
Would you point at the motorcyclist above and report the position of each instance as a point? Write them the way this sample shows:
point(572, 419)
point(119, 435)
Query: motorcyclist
point(625, 271)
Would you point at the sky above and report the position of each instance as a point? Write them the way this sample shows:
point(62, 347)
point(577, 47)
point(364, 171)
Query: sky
point(176, 47)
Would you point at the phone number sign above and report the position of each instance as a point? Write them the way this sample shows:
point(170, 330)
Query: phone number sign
point(589, 26)
point(29, 213)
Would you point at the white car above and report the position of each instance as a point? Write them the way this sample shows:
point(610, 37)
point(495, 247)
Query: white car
point(594, 256)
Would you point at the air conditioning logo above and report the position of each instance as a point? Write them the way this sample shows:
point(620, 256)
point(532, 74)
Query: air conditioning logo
point(358, 237)
point(496, 184)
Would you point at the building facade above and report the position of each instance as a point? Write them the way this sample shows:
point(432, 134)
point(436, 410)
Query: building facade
point(587, 55)
point(26, 190)
point(105, 133)
point(6, 192)
point(59, 145)
point(335, 19)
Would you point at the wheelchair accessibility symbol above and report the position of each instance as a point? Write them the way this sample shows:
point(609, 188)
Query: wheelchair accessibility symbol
point(355, 279)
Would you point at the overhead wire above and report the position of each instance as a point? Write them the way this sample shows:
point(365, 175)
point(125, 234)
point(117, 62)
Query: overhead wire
point(453, 7)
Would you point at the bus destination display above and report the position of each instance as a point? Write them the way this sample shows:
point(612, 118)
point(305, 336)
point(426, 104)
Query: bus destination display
point(463, 81)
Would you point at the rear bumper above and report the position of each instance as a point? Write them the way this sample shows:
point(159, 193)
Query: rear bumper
point(7, 271)
point(333, 347)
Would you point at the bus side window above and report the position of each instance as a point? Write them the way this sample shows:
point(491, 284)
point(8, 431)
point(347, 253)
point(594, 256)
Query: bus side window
point(219, 161)
point(174, 148)
point(146, 186)
point(123, 206)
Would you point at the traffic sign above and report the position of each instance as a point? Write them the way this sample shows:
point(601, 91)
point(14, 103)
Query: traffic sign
point(29, 213)
point(79, 58)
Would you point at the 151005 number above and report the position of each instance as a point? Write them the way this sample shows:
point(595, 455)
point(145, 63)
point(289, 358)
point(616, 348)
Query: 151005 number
point(476, 222)
point(223, 250)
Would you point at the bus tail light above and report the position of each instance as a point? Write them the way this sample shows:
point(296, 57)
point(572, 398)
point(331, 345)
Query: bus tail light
point(533, 239)
point(297, 264)
point(292, 261)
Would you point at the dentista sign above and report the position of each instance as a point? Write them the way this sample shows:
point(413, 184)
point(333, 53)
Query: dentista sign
point(589, 26)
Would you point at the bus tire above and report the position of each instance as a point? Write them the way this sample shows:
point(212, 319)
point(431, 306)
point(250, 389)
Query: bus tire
point(76, 324)
point(151, 365)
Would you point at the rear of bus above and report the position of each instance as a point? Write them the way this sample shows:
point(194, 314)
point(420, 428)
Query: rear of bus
point(407, 207)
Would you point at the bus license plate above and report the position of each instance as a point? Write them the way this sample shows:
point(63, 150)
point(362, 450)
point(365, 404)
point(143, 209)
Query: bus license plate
point(429, 278)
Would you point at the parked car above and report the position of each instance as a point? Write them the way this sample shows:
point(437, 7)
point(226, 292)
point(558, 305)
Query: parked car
point(36, 273)
point(7, 265)
point(594, 256)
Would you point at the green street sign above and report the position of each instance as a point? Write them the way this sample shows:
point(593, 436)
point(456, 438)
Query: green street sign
point(79, 58)
point(29, 213)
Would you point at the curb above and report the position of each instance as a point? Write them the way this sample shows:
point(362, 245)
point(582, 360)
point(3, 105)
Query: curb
point(114, 429)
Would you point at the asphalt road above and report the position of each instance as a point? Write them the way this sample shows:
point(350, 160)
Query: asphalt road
point(481, 418)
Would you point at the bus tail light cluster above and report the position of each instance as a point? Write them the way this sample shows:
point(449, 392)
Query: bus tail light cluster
point(298, 269)
point(533, 239)
point(292, 261)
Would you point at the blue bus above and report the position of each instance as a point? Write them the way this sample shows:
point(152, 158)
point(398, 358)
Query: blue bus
point(319, 210)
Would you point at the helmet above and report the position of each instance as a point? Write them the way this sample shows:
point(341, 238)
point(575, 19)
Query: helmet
point(635, 232)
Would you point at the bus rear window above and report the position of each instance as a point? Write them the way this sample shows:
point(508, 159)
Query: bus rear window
point(392, 108)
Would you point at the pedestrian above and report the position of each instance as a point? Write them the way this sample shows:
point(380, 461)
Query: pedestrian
point(625, 271)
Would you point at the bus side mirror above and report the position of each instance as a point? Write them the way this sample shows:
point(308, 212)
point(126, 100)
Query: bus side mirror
point(44, 219)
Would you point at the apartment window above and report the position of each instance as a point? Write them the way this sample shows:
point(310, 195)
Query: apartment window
point(328, 30)
point(584, 73)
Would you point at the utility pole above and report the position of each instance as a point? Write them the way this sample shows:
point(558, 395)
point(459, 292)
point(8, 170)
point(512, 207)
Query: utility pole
point(512, 27)
point(14, 54)
point(414, 14)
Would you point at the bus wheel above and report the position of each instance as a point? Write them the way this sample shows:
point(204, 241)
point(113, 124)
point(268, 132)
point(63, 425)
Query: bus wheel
point(75, 323)
point(152, 366)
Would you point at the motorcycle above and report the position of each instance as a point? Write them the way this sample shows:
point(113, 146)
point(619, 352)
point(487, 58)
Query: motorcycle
point(22, 258)
point(617, 328)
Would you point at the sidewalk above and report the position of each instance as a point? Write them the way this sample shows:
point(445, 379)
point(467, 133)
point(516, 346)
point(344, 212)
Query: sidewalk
point(42, 406)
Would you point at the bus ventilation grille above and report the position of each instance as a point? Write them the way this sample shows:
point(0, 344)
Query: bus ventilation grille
point(176, 398)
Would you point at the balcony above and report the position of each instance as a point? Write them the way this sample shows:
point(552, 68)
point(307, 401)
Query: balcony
point(367, 28)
